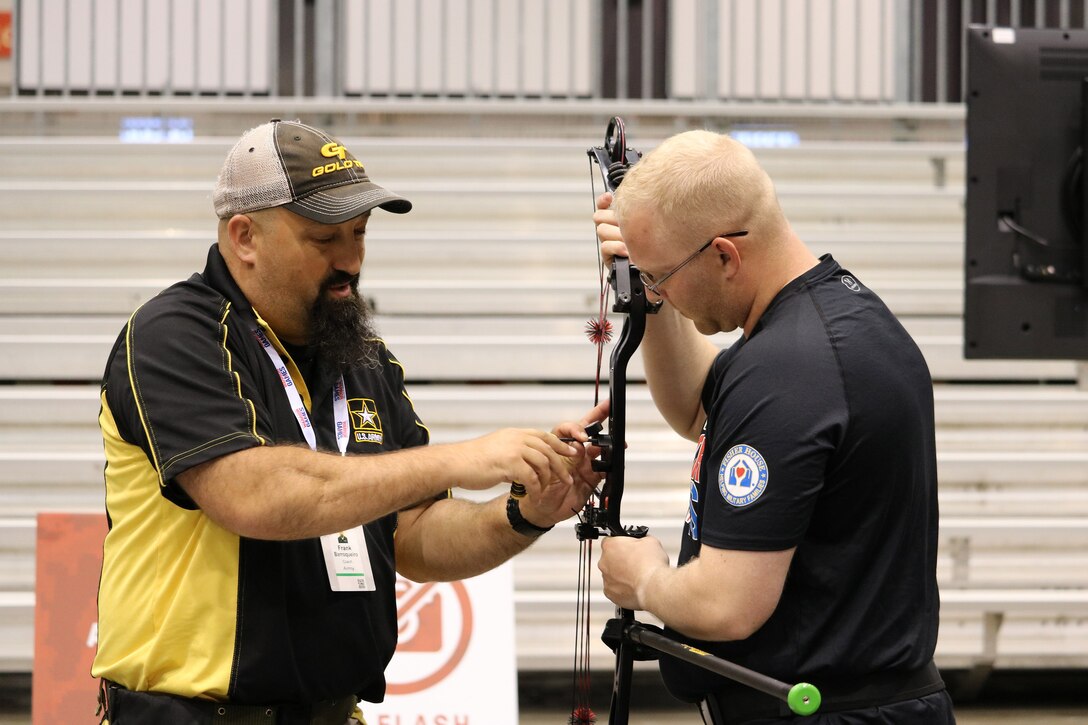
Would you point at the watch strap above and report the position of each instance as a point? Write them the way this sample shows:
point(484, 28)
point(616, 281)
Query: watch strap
point(518, 522)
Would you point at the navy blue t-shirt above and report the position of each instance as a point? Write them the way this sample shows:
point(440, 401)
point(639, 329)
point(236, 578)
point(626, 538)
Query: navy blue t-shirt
point(820, 436)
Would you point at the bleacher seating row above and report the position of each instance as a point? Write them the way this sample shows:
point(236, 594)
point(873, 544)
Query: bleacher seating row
point(482, 292)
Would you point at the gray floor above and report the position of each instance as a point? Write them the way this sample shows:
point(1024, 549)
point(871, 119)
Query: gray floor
point(1051, 698)
point(1055, 697)
point(1012, 715)
point(1007, 715)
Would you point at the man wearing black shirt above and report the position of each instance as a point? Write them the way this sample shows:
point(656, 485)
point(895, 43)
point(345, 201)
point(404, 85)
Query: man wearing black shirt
point(809, 548)
point(266, 470)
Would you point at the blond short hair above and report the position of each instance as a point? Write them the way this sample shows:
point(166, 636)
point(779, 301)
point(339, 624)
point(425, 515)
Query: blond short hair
point(698, 183)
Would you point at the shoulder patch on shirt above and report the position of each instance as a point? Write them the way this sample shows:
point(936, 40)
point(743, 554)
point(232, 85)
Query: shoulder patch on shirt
point(850, 283)
point(742, 477)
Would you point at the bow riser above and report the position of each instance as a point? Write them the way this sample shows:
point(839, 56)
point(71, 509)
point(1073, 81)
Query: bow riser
point(613, 159)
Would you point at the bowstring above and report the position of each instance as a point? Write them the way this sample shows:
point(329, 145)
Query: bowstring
point(599, 332)
point(580, 710)
point(600, 328)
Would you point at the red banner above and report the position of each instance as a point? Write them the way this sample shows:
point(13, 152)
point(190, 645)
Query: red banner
point(5, 34)
point(69, 561)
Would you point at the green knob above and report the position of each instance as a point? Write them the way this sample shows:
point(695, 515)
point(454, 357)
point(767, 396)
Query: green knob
point(803, 699)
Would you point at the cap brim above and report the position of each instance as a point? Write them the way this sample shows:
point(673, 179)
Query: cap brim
point(341, 203)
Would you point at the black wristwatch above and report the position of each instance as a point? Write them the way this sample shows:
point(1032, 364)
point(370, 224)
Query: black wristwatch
point(518, 522)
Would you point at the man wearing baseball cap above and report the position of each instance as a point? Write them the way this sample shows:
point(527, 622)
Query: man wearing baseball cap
point(266, 473)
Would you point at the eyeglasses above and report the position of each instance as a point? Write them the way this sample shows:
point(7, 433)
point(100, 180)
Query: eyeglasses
point(653, 285)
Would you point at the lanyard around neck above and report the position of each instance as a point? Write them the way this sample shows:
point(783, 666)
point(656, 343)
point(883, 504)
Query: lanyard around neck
point(339, 398)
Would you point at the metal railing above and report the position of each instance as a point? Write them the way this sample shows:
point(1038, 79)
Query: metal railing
point(142, 47)
point(806, 51)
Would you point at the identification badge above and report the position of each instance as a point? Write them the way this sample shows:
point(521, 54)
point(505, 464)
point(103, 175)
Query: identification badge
point(348, 562)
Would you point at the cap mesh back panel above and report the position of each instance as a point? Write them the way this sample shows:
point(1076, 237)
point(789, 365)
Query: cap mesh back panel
point(251, 180)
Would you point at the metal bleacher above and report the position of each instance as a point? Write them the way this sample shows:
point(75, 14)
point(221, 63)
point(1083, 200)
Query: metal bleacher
point(482, 292)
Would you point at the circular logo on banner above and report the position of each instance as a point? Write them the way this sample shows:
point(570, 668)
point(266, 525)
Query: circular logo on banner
point(434, 626)
point(742, 477)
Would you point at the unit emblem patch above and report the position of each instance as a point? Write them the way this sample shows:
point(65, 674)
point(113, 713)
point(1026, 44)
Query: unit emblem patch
point(742, 477)
point(365, 422)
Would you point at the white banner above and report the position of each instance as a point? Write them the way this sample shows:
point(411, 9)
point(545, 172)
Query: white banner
point(455, 662)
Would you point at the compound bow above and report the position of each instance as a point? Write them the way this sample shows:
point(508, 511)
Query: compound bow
point(628, 638)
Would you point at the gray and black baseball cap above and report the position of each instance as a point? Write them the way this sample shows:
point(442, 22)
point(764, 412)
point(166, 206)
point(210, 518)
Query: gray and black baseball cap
point(304, 170)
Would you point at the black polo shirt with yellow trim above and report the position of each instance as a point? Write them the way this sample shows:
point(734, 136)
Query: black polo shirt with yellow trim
point(185, 606)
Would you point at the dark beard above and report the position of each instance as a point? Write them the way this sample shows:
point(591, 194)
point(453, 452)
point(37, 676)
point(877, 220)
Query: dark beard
point(342, 332)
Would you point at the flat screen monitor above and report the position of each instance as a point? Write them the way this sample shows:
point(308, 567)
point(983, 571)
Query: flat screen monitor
point(1026, 258)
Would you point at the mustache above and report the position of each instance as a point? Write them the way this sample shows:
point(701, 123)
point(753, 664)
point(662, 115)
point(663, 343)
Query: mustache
point(340, 278)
